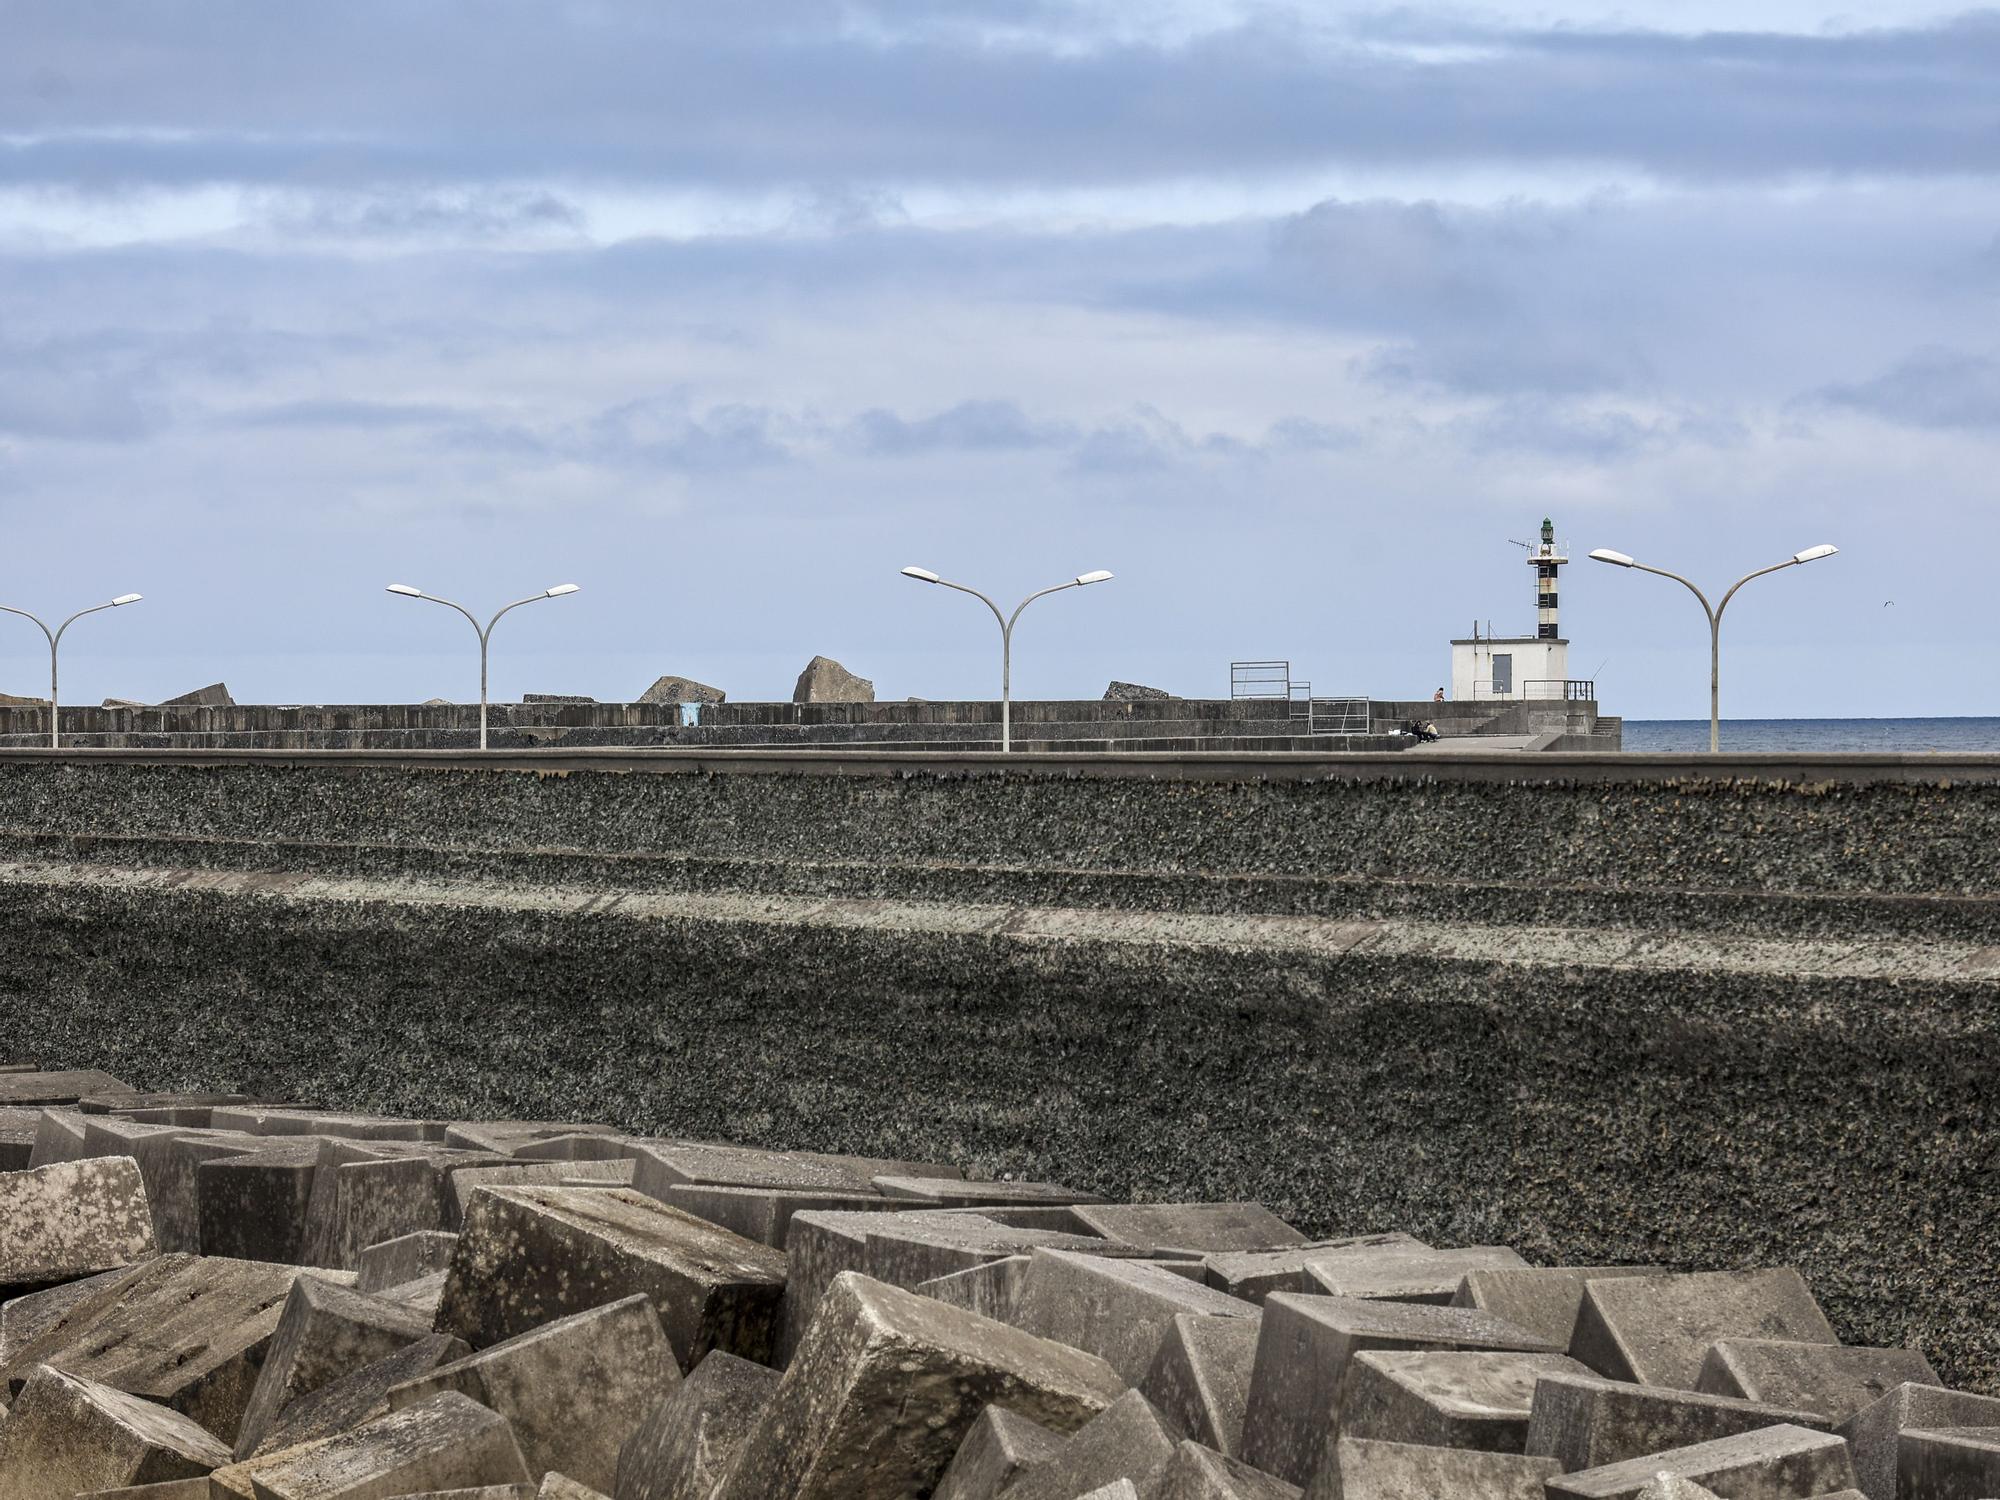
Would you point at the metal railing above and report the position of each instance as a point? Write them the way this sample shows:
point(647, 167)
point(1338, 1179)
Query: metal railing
point(1260, 679)
point(1339, 715)
point(1575, 689)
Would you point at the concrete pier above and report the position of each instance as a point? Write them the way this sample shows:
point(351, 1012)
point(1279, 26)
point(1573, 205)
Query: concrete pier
point(1684, 1011)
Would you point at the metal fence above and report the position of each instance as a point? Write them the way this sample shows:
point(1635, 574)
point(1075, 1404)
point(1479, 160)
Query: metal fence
point(1260, 679)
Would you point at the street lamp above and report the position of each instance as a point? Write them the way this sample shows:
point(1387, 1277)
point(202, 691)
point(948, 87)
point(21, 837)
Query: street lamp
point(55, 639)
point(925, 575)
point(1620, 560)
point(485, 632)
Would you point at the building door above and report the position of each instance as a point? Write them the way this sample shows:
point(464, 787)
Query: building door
point(1503, 674)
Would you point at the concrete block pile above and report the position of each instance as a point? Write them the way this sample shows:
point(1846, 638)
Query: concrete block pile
point(203, 1297)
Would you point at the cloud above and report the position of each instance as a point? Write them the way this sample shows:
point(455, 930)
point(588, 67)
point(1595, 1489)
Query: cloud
point(1936, 388)
point(977, 426)
point(377, 93)
point(480, 215)
point(345, 413)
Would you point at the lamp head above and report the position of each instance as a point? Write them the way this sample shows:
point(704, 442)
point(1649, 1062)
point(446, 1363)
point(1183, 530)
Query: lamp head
point(128, 599)
point(560, 589)
point(922, 575)
point(1814, 554)
point(1606, 555)
point(1102, 575)
point(406, 591)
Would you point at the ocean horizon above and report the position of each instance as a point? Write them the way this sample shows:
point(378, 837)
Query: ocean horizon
point(1908, 735)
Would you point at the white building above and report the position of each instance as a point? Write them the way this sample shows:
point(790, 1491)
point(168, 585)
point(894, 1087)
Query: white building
point(1521, 666)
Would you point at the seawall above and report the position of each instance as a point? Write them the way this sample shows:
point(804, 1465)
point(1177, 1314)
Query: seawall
point(1697, 1010)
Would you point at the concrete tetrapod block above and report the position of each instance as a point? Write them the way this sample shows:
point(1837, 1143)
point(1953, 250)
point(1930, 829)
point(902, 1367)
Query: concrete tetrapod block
point(562, 1487)
point(58, 1137)
point(154, 1148)
point(992, 1290)
point(189, 1331)
point(281, 1121)
point(577, 1146)
point(58, 1087)
point(1198, 1473)
point(324, 1332)
point(18, 1128)
point(885, 1384)
point(422, 1296)
point(1201, 1378)
point(464, 1182)
point(1835, 1380)
point(170, 1165)
point(71, 1219)
point(447, 1442)
point(23, 1320)
point(1403, 1275)
point(529, 1255)
point(1361, 1469)
point(256, 1206)
point(405, 1259)
point(1772, 1463)
point(950, 1192)
point(358, 1396)
point(1872, 1432)
point(505, 1136)
point(1657, 1329)
point(1119, 1310)
point(1673, 1487)
point(1948, 1463)
point(574, 1389)
point(1128, 1440)
point(1448, 1398)
point(1118, 1489)
point(66, 1434)
point(663, 1164)
point(1254, 1274)
point(765, 1214)
point(901, 1249)
point(373, 1200)
point(1543, 1299)
point(166, 1489)
point(1586, 1421)
point(684, 1443)
point(1200, 1228)
point(1303, 1351)
point(998, 1448)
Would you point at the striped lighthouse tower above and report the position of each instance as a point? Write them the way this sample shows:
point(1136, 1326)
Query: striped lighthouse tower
point(1547, 561)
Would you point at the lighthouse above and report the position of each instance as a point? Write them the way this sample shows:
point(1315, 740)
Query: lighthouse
point(1485, 665)
point(1547, 561)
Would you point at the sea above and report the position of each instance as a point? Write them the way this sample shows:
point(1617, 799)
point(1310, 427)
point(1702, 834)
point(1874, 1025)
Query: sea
point(1905, 735)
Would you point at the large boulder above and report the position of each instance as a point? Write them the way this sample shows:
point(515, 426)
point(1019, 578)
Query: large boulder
point(885, 1386)
point(71, 1219)
point(672, 689)
point(215, 695)
point(1135, 692)
point(67, 1435)
point(826, 681)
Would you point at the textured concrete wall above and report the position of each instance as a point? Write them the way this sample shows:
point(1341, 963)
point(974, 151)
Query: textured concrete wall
point(1650, 1016)
point(1165, 724)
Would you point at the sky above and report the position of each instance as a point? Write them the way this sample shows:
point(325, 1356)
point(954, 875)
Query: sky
point(1294, 316)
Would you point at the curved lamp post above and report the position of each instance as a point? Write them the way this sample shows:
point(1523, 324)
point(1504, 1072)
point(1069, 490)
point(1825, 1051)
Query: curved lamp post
point(55, 639)
point(485, 631)
point(1620, 560)
point(925, 575)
